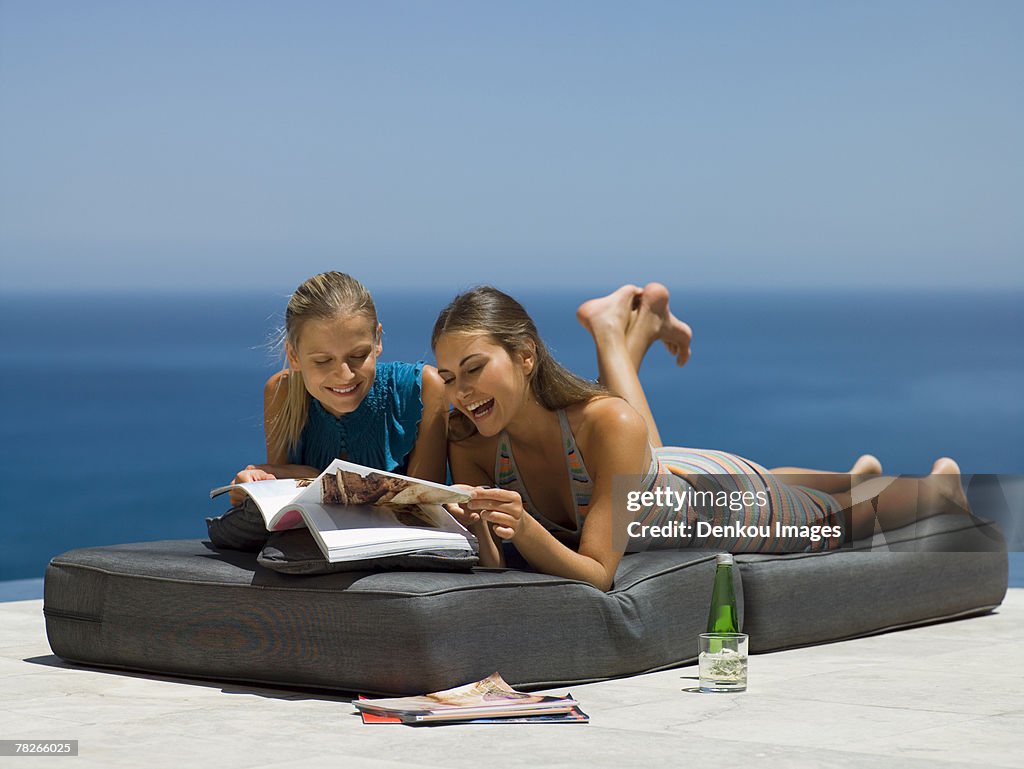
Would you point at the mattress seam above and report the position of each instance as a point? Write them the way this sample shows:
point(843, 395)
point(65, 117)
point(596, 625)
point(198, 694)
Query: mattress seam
point(465, 588)
point(64, 614)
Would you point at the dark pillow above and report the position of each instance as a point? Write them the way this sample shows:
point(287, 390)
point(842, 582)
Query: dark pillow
point(240, 528)
point(296, 552)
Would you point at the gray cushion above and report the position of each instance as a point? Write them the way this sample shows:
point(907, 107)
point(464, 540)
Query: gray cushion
point(187, 609)
point(942, 567)
point(183, 608)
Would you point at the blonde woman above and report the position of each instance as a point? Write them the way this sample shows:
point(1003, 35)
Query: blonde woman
point(336, 400)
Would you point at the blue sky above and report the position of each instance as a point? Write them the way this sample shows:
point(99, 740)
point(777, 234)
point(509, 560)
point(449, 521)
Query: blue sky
point(184, 144)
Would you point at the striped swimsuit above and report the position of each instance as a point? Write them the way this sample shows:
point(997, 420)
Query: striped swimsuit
point(780, 526)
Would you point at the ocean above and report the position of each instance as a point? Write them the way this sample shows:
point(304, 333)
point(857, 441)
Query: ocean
point(121, 412)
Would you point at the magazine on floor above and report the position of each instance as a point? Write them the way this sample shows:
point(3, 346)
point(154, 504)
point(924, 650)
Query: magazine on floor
point(491, 700)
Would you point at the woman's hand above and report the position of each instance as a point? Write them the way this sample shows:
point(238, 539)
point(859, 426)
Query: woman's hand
point(250, 473)
point(468, 518)
point(502, 509)
point(490, 552)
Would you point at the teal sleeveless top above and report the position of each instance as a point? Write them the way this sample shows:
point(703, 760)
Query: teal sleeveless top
point(381, 431)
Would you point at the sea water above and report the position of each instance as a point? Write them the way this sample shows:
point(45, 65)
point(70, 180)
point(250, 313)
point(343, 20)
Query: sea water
point(120, 412)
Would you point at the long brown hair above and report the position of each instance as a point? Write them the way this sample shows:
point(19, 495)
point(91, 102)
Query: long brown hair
point(323, 297)
point(486, 310)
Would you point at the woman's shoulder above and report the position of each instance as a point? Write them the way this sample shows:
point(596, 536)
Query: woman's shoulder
point(609, 432)
point(431, 380)
point(604, 413)
point(276, 387)
point(278, 379)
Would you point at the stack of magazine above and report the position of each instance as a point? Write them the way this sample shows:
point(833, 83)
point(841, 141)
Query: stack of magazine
point(490, 701)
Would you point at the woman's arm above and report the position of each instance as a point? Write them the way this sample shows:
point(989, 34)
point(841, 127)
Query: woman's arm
point(616, 444)
point(275, 392)
point(501, 511)
point(463, 457)
point(618, 454)
point(427, 458)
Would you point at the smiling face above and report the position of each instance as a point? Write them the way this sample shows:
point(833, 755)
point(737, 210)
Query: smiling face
point(482, 380)
point(338, 360)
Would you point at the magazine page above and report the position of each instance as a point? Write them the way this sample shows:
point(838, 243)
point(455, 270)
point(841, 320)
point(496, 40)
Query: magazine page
point(490, 696)
point(346, 483)
point(425, 516)
point(352, 532)
point(271, 497)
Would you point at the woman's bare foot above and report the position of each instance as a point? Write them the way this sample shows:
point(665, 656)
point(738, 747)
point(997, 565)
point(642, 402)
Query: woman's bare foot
point(655, 321)
point(946, 477)
point(612, 313)
point(866, 464)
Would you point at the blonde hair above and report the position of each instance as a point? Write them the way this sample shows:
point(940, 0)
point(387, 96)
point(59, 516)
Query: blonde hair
point(486, 310)
point(323, 297)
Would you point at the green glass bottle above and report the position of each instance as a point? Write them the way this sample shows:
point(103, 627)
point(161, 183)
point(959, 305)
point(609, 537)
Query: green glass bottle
point(723, 618)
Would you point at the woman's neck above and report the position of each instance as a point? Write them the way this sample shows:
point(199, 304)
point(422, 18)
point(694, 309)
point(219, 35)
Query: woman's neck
point(533, 425)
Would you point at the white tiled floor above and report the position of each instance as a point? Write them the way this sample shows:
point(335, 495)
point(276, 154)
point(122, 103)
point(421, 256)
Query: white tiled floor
point(945, 695)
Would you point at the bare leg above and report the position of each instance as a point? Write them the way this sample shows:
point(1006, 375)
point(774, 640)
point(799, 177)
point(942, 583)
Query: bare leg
point(594, 311)
point(655, 319)
point(650, 320)
point(628, 321)
point(893, 502)
point(829, 482)
point(608, 319)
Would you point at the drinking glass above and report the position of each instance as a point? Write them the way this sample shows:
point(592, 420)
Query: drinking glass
point(723, 662)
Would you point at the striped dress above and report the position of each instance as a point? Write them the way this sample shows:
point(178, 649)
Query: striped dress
point(708, 499)
point(736, 505)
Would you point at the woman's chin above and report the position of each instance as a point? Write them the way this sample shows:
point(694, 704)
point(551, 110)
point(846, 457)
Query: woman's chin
point(487, 425)
point(339, 407)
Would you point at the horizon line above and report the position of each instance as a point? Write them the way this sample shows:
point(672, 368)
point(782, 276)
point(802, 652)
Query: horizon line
point(217, 290)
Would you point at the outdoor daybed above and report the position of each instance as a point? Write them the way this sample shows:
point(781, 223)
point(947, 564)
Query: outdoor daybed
point(183, 608)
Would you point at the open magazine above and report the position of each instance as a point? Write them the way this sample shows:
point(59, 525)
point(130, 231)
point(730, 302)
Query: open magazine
point(356, 512)
point(491, 698)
